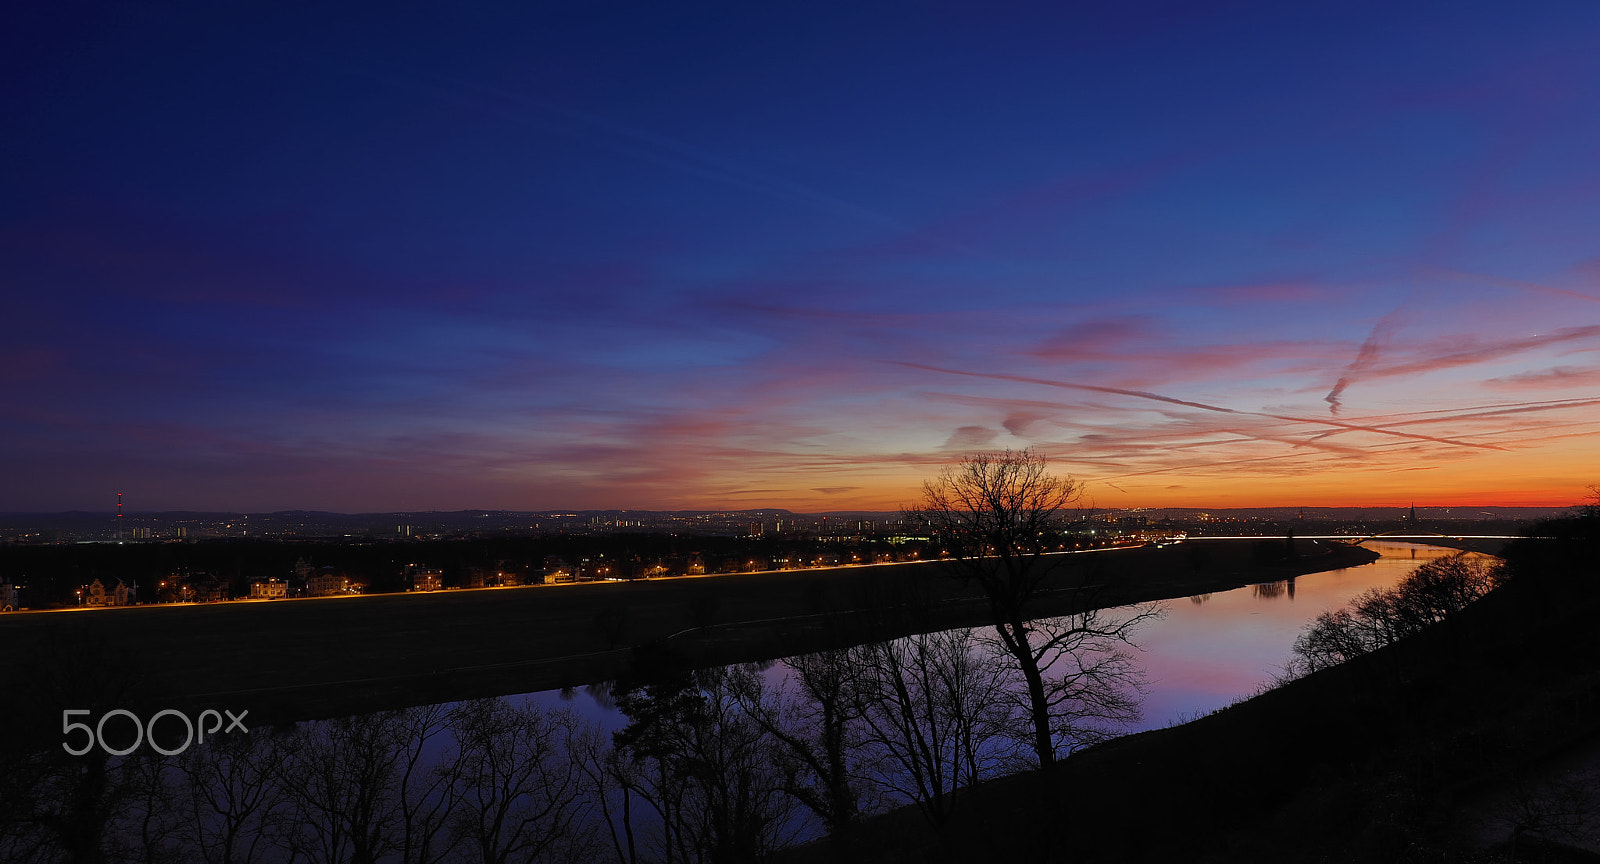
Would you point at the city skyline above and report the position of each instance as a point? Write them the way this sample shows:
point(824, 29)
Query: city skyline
point(728, 258)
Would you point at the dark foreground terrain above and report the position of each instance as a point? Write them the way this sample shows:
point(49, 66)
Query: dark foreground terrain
point(305, 659)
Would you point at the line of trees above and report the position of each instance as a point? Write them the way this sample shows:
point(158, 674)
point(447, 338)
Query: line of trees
point(478, 781)
point(1379, 617)
point(724, 765)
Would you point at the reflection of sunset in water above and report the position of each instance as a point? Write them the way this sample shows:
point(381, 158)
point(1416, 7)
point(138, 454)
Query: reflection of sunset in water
point(1208, 650)
point(1213, 648)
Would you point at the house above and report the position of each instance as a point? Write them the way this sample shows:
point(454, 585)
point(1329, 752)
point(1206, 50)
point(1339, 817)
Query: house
point(427, 580)
point(186, 587)
point(97, 594)
point(204, 588)
point(268, 589)
point(327, 582)
point(562, 574)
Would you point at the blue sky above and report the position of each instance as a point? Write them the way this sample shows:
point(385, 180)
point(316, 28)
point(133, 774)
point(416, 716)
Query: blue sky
point(617, 255)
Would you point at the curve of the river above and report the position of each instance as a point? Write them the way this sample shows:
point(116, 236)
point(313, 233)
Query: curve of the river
point(1209, 650)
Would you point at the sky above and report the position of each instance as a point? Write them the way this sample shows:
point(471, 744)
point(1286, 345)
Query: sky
point(367, 257)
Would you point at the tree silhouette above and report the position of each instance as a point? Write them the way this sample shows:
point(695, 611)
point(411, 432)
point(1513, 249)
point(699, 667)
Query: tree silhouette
point(997, 516)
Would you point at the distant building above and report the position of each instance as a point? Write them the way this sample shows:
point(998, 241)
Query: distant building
point(327, 582)
point(8, 597)
point(564, 573)
point(268, 589)
point(98, 594)
point(427, 580)
point(202, 588)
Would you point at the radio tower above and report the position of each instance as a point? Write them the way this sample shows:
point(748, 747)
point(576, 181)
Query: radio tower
point(119, 515)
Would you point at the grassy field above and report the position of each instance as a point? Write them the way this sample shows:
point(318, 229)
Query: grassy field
point(304, 659)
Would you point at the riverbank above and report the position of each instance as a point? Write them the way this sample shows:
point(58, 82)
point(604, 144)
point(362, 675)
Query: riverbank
point(306, 659)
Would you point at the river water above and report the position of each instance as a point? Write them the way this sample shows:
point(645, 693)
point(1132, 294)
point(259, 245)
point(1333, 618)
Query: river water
point(1212, 649)
point(1206, 651)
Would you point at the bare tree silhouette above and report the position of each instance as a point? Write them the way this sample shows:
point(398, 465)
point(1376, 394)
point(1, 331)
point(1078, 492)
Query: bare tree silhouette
point(998, 516)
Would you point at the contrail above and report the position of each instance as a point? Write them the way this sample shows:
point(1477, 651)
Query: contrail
point(1476, 412)
point(1171, 468)
point(1140, 394)
point(1364, 360)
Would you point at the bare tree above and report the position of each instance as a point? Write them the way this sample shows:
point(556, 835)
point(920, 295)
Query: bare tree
point(147, 828)
point(1382, 616)
point(703, 766)
point(1094, 686)
point(234, 802)
point(814, 731)
point(24, 776)
point(340, 777)
point(610, 780)
point(997, 516)
point(1445, 586)
point(521, 799)
point(936, 716)
point(427, 787)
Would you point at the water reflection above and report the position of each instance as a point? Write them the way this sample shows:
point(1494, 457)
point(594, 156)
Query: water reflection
point(1211, 651)
point(1273, 590)
point(1208, 652)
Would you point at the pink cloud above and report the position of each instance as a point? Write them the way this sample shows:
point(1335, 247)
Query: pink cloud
point(1548, 379)
point(1264, 292)
point(970, 438)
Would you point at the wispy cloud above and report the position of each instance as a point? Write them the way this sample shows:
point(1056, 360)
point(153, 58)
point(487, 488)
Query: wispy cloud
point(1549, 379)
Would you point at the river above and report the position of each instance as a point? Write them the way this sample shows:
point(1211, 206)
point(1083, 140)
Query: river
point(1212, 649)
point(1205, 652)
